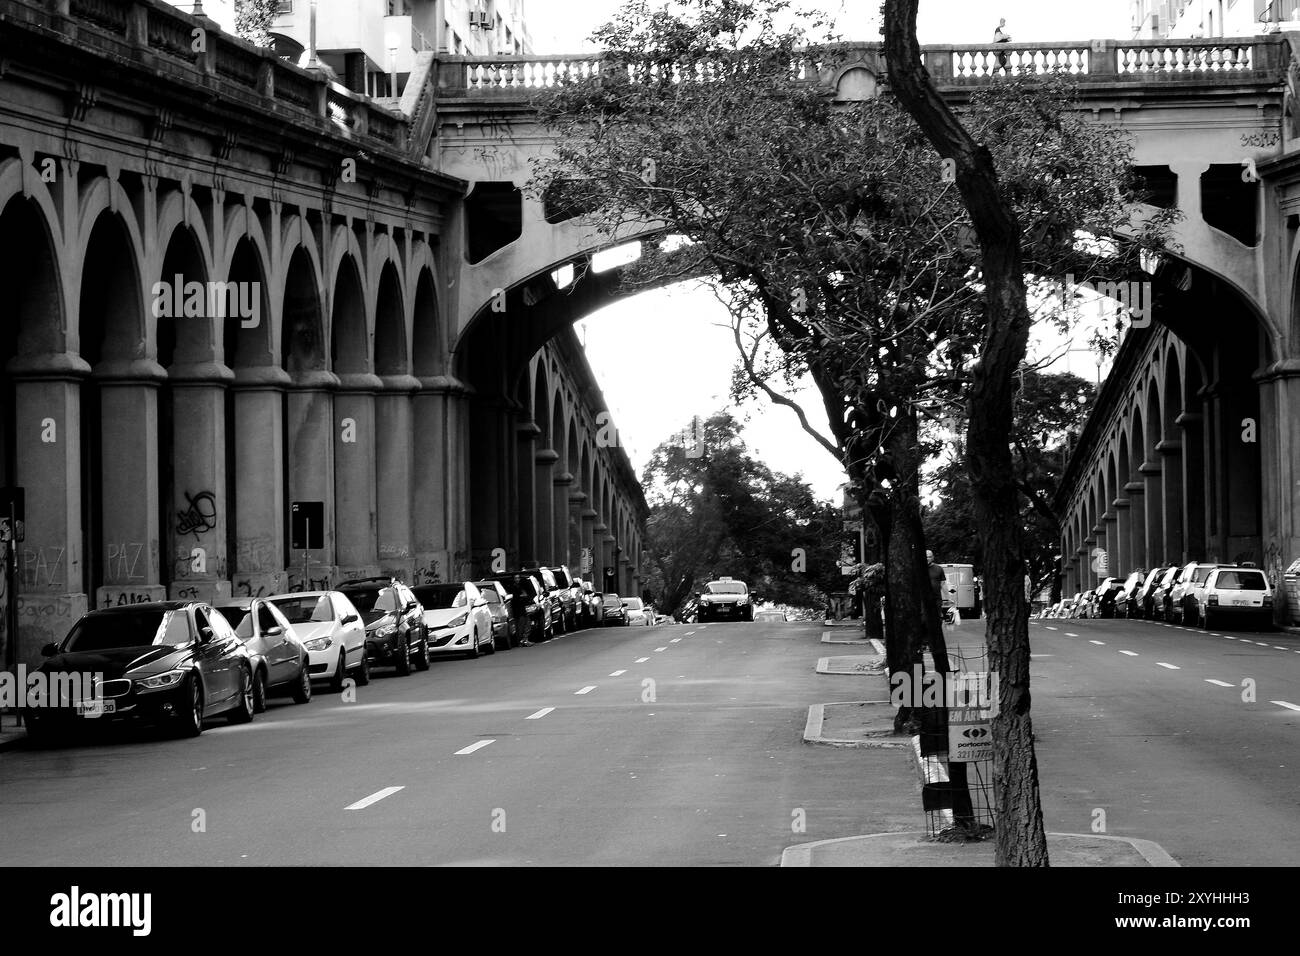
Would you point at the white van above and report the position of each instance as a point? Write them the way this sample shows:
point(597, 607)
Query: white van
point(961, 587)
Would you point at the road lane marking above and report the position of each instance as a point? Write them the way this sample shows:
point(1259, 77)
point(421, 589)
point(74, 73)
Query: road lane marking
point(1282, 703)
point(1278, 648)
point(540, 714)
point(689, 633)
point(1212, 634)
point(1129, 653)
point(641, 660)
point(386, 792)
point(1172, 667)
point(618, 673)
point(1218, 683)
point(585, 690)
point(1098, 643)
point(1229, 637)
point(658, 649)
point(1071, 634)
point(473, 747)
point(1050, 628)
point(675, 640)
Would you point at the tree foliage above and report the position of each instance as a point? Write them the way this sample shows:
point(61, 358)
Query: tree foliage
point(253, 20)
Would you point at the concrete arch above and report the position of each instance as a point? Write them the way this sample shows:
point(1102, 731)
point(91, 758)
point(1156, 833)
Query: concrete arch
point(426, 327)
point(240, 224)
point(349, 334)
point(343, 246)
point(35, 279)
point(391, 324)
point(179, 211)
point(179, 337)
point(384, 253)
point(101, 202)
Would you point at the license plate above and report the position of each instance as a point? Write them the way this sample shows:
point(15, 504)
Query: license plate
point(1238, 602)
point(94, 708)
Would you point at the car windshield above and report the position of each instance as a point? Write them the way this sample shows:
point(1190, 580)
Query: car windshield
point(632, 604)
point(440, 597)
point(102, 632)
point(491, 595)
point(1201, 573)
point(547, 578)
point(562, 579)
point(311, 609)
point(239, 617)
point(726, 587)
point(1241, 581)
point(611, 600)
point(1168, 577)
point(373, 602)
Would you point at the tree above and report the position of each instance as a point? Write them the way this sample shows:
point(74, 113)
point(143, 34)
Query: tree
point(253, 20)
point(723, 512)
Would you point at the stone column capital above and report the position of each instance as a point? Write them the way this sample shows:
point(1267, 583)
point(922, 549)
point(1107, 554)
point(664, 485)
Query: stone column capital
point(546, 456)
point(67, 366)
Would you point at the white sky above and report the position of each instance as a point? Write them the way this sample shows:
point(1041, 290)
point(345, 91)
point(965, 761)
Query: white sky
point(662, 357)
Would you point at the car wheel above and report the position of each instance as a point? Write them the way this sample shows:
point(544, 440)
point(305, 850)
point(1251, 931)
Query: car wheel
point(422, 658)
point(363, 672)
point(243, 712)
point(340, 673)
point(302, 689)
point(473, 647)
point(491, 643)
point(404, 659)
point(189, 723)
point(259, 691)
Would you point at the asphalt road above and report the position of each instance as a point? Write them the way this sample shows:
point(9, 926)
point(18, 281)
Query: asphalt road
point(1154, 726)
point(710, 769)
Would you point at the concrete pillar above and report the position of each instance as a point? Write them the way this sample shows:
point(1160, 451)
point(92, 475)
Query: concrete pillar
point(508, 418)
point(311, 431)
point(431, 464)
point(607, 558)
point(355, 498)
point(526, 434)
point(1137, 525)
point(1215, 484)
point(560, 516)
point(199, 512)
point(1280, 459)
point(395, 450)
point(261, 551)
point(1110, 542)
point(1194, 491)
point(1171, 500)
point(576, 505)
point(544, 478)
point(52, 574)
point(589, 542)
point(130, 532)
point(458, 491)
point(1122, 559)
point(1153, 506)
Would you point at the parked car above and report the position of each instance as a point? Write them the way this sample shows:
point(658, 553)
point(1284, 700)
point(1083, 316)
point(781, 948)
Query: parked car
point(498, 603)
point(638, 612)
point(725, 598)
point(1145, 591)
point(1160, 609)
point(614, 614)
point(1233, 593)
point(558, 615)
point(330, 629)
point(170, 662)
point(541, 626)
point(1126, 601)
point(770, 615)
point(1182, 597)
point(280, 663)
point(687, 612)
point(591, 604)
point(1107, 592)
point(568, 590)
point(457, 618)
point(395, 631)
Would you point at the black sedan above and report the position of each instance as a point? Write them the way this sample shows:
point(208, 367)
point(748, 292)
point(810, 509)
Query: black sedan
point(169, 662)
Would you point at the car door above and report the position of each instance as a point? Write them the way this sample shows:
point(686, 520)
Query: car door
point(479, 611)
point(413, 613)
point(214, 657)
point(351, 632)
point(281, 652)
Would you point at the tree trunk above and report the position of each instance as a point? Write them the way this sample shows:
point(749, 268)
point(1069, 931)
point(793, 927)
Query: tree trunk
point(1021, 839)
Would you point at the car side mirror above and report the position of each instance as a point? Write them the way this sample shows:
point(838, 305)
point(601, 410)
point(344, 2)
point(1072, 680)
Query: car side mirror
point(275, 631)
point(412, 605)
point(205, 635)
point(349, 619)
point(49, 650)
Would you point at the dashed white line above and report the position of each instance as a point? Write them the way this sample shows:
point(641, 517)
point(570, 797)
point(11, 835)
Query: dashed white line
point(1129, 653)
point(473, 747)
point(1212, 634)
point(376, 797)
point(1050, 628)
point(658, 649)
point(1172, 667)
point(618, 673)
point(585, 690)
point(689, 633)
point(675, 640)
point(1282, 703)
point(1071, 634)
point(641, 660)
point(1098, 643)
point(1229, 637)
point(540, 714)
point(1279, 648)
point(1218, 683)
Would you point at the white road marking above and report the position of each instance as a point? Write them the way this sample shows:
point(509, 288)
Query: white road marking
point(1050, 628)
point(379, 795)
point(1071, 634)
point(1098, 643)
point(1129, 653)
point(1229, 637)
point(641, 660)
point(675, 640)
point(1282, 703)
point(1218, 683)
point(1278, 648)
point(1172, 667)
point(1213, 634)
point(586, 690)
point(473, 747)
point(540, 714)
point(658, 649)
point(618, 673)
point(689, 633)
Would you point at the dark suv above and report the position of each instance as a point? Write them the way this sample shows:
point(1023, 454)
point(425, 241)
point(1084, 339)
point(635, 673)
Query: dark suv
point(569, 591)
point(395, 631)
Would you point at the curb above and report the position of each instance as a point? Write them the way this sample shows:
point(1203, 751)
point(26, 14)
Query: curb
point(824, 663)
point(827, 639)
point(801, 854)
point(812, 730)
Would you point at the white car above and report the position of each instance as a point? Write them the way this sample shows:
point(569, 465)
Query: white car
point(637, 612)
point(331, 630)
point(458, 618)
point(1233, 594)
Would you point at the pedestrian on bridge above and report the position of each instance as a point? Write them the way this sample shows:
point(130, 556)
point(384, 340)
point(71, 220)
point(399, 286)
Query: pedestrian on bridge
point(1000, 35)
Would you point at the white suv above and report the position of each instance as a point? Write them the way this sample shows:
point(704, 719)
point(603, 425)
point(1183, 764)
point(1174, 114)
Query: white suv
point(1235, 593)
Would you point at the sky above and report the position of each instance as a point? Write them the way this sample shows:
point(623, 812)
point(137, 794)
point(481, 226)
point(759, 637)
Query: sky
point(662, 357)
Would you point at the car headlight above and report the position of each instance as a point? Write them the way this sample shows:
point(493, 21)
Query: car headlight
point(385, 630)
point(319, 644)
point(457, 622)
point(742, 600)
point(158, 681)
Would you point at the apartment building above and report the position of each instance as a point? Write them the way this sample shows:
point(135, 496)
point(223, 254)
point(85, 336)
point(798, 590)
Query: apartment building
point(1194, 19)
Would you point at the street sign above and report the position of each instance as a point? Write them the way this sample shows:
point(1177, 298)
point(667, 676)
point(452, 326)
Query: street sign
point(306, 525)
point(970, 735)
point(586, 561)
